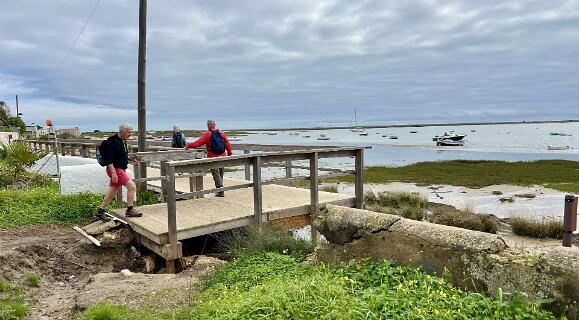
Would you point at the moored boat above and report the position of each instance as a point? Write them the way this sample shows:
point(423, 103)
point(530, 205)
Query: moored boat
point(449, 135)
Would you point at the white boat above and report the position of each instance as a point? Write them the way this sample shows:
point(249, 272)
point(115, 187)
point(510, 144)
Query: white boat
point(559, 133)
point(364, 133)
point(393, 137)
point(503, 132)
point(354, 127)
point(307, 136)
point(271, 133)
point(449, 135)
point(235, 139)
point(552, 148)
point(323, 137)
point(294, 133)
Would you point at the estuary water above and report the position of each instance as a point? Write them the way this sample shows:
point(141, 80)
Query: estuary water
point(512, 142)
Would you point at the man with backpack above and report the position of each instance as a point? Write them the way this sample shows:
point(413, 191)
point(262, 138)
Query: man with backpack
point(113, 154)
point(178, 139)
point(217, 146)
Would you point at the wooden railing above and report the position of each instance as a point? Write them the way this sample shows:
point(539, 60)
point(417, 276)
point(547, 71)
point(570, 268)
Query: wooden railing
point(173, 169)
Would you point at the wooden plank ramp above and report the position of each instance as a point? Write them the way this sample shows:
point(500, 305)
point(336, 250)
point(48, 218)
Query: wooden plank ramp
point(212, 214)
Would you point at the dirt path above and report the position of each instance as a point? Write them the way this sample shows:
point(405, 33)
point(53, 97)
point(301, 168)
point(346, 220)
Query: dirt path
point(75, 274)
point(64, 262)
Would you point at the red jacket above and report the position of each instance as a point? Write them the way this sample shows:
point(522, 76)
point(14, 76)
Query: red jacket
point(205, 140)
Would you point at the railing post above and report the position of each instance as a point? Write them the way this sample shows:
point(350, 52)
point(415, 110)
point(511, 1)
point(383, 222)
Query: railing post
point(569, 220)
point(83, 150)
point(288, 169)
point(247, 167)
point(199, 182)
point(164, 183)
point(63, 152)
point(314, 201)
point(72, 149)
point(257, 195)
point(171, 216)
point(359, 185)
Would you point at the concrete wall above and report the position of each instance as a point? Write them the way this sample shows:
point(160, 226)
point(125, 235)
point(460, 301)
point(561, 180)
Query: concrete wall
point(5, 136)
point(471, 259)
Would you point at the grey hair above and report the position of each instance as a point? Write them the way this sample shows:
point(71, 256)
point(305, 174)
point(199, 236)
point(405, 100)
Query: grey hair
point(125, 127)
point(176, 128)
point(210, 122)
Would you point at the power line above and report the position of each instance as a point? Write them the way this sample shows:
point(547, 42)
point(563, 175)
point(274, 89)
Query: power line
point(74, 42)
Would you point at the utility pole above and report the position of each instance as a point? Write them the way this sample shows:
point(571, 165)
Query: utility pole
point(142, 110)
point(17, 112)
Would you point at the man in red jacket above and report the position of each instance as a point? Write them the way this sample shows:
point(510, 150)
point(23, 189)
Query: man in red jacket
point(205, 140)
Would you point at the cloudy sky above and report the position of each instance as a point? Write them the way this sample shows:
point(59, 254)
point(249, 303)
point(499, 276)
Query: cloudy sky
point(292, 62)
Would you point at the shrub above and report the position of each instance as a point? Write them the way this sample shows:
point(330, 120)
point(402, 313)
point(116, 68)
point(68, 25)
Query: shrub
point(18, 157)
point(255, 240)
point(45, 206)
point(146, 197)
point(537, 228)
point(466, 218)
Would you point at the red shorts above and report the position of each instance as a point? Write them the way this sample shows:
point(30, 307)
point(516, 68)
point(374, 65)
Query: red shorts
point(123, 178)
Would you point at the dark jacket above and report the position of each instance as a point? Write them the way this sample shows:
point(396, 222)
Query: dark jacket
point(114, 151)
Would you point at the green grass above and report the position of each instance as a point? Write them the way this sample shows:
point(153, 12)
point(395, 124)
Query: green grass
point(537, 228)
point(46, 205)
point(274, 286)
point(329, 188)
point(12, 305)
point(33, 280)
point(146, 197)
point(558, 174)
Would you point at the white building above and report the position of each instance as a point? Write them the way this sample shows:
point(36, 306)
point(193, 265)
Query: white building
point(75, 132)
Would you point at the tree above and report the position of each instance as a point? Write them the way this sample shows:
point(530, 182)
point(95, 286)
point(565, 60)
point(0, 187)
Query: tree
point(17, 122)
point(4, 113)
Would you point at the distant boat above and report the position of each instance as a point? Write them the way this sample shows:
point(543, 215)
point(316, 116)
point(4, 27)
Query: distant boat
point(294, 133)
point(393, 137)
point(271, 133)
point(559, 133)
point(323, 137)
point(449, 135)
point(473, 130)
point(364, 133)
point(354, 127)
point(413, 131)
point(558, 148)
point(235, 139)
point(503, 132)
point(307, 136)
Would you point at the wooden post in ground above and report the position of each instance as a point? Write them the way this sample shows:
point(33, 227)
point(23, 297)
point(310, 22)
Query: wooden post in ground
point(314, 201)
point(199, 182)
point(120, 203)
point(247, 167)
point(72, 149)
point(359, 183)
point(141, 71)
point(257, 195)
point(569, 220)
point(63, 152)
point(171, 216)
point(83, 150)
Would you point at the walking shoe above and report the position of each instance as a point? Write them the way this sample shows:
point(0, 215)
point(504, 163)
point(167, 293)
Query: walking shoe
point(133, 214)
point(100, 216)
point(220, 194)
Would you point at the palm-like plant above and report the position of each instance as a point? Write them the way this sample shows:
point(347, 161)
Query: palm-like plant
point(19, 156)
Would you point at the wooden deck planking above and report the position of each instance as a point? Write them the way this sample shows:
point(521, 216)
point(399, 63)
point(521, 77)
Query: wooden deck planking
point(212, 214)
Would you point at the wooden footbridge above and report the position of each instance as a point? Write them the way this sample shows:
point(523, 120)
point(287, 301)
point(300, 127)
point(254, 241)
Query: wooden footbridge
point(189, 210)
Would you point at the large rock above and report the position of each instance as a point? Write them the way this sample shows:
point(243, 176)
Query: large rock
point(470, 259)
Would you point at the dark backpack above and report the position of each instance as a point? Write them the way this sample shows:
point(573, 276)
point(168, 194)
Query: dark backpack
point(100, 151)
point(217, 142)
point(178, 140)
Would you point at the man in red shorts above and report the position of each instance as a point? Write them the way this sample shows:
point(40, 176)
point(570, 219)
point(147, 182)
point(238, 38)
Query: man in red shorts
point(115, 156)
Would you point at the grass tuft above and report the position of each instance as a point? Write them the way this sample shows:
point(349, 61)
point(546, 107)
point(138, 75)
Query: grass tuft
point(466, 219)
point(12, 309)
point(408, 205)
point(537, 228)
point(255, 240)
point(329, 188)
point(33, 280)
point(108, 311)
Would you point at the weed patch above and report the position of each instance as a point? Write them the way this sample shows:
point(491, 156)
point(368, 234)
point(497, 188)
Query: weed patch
point(33, 280)
point(408, 205)
point(329, 188)
point(465, 219)
point(108, 311)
